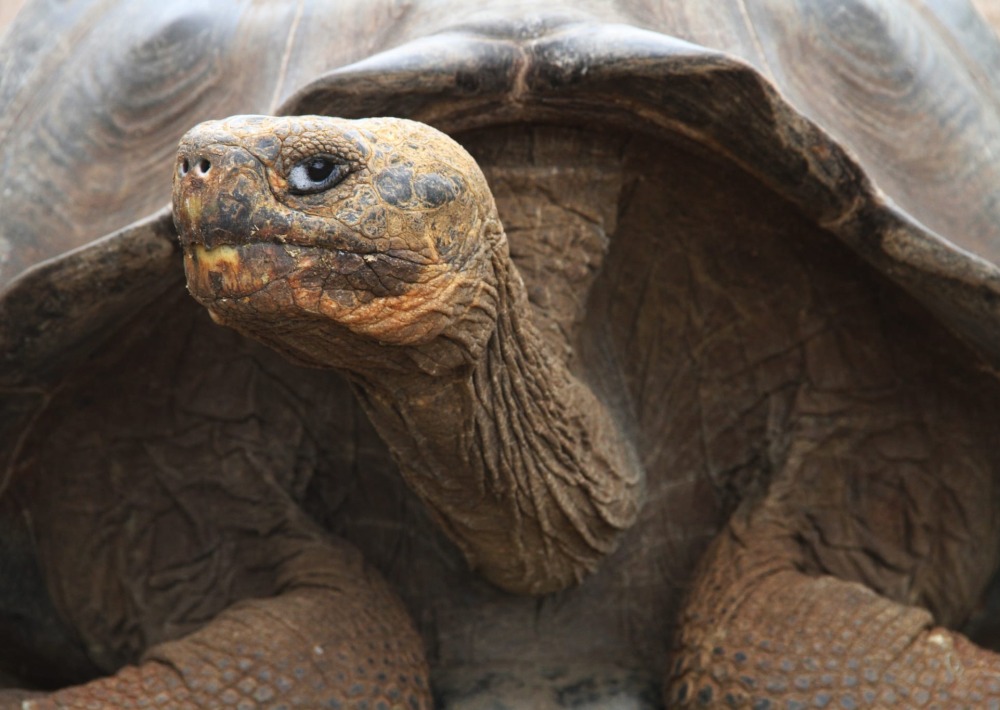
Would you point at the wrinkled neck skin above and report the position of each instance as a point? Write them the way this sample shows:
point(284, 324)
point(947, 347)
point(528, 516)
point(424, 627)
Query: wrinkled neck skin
point(515, 457)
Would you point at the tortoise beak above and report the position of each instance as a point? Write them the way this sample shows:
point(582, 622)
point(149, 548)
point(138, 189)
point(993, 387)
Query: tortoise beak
point(219, 187)
point(216, 187)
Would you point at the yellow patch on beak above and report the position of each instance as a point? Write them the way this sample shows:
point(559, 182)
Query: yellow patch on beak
point(223, 272)
point(217, 259)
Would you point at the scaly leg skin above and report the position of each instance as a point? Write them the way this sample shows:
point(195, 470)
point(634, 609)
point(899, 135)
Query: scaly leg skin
point(773, 637)
point(809, 598)
point(333, 637)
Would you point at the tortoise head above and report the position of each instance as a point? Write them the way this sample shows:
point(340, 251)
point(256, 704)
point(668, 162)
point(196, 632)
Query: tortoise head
point(378, 231)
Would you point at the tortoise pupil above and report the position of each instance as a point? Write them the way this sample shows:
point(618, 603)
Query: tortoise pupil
point(319, 169)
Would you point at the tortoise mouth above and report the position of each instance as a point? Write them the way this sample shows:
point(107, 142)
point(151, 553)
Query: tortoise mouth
point(244, 270)
point(224, 217)
point(231, 271)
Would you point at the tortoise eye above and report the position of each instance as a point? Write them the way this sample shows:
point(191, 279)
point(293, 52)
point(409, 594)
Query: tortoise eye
point(316, 174)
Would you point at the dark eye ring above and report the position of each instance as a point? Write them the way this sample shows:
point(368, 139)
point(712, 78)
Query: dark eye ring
point(316, 174)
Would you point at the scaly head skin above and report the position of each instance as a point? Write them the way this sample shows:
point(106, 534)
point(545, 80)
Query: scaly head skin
point(374, 247)
point(302, 230)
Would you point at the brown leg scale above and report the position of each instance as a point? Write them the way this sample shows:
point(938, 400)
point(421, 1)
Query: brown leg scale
point(331, 641)
point(764, 635)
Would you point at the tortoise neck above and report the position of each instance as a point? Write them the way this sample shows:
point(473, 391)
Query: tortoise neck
point(516, 458)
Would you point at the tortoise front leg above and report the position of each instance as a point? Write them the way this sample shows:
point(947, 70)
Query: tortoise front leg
point(761, 634)
point(197, 581)
point(332, 636)
point(832, 590)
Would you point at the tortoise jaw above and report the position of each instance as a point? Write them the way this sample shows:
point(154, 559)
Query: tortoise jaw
point(234, 271)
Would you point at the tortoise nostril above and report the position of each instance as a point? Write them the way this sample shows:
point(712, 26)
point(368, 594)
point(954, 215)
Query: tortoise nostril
point(204, 165)
point(185, 167)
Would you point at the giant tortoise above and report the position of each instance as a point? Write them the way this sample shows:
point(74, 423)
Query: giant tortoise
point(661, 370)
